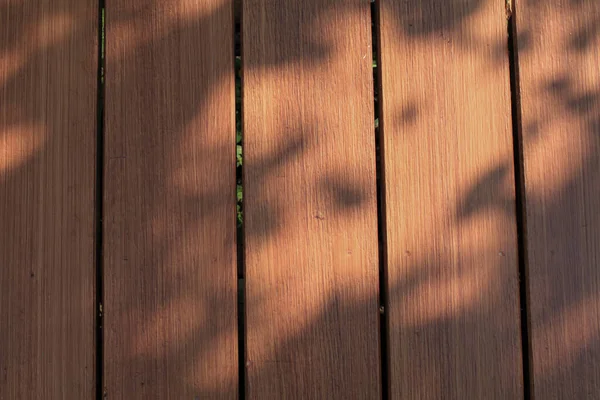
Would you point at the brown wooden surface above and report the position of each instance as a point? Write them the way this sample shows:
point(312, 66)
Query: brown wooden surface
point(451, 233)
point(48, 69)
point(310, 201)
point(169, 245)
point(559, 58)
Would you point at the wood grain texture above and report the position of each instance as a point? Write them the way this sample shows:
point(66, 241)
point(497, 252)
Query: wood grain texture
point(169, 245)
point(310, 201)
point(559, 58)
point(48, 76)
point(449, 200)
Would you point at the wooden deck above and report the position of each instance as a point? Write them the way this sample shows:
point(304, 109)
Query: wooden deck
point(421, 199)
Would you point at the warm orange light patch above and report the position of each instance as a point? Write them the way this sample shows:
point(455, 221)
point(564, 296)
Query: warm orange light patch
point(10, 63)
point(20, 143)
point(52, 30)
point(568, 333)
point(43, 34)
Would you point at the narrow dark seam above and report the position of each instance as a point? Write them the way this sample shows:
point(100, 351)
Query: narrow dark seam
point(520, 202)
point(381, 215)
point(99, 204)
point(239, 215)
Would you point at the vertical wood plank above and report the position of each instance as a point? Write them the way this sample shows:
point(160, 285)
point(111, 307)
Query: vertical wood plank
point(310, 200)
point(48, 77)
point(169, 247)
point(559, 58)
point(452, 268)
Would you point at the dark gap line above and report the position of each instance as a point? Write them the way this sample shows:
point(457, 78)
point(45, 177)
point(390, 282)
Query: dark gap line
point(240, 236)
point(515, 93)
point(381, 217)
point(99, 204)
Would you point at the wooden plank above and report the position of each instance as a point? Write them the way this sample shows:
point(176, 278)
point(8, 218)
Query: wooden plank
point(170, 203)
point(559, 54)
point(48, 76)
point(452, 268)
point(310, 201)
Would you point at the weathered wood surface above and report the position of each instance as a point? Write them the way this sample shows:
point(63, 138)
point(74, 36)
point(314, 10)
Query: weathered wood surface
point(452, 268)
point(48, 70)
point(311, 250)
point(170, 323)
point(310, 201)
point(559, 58)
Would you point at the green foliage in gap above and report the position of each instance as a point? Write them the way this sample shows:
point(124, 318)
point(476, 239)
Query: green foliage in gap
point(238, 134)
